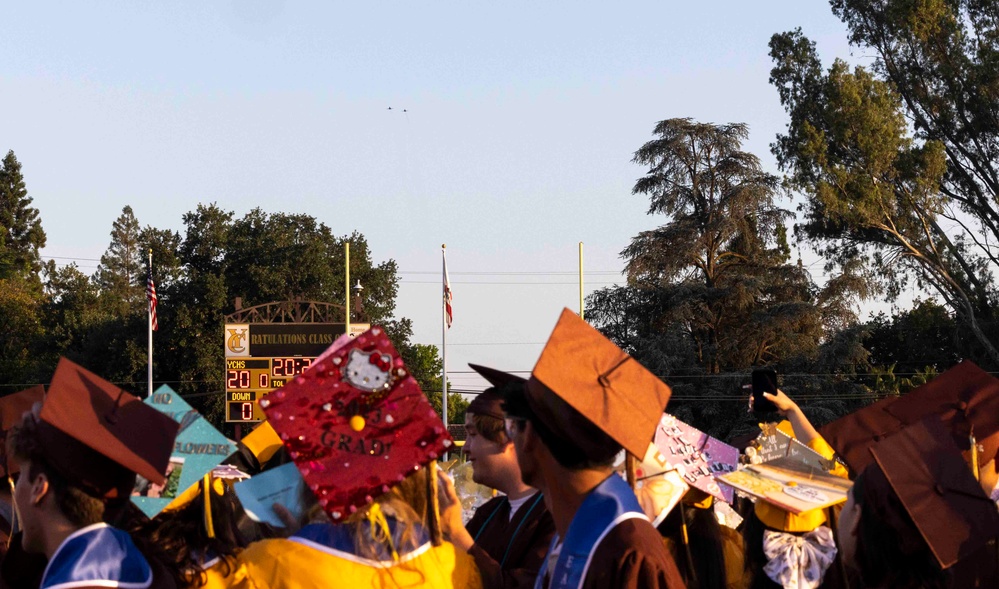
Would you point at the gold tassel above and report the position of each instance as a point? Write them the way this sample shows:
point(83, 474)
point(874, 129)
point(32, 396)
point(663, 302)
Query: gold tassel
point(433, 505)
point(379, 529)
point(974, 456)
point(630, 465)
point(14, 514)
point(206, 494)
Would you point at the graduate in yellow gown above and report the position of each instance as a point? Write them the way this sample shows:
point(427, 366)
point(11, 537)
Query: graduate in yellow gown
point(388, 545)
point(366, 441)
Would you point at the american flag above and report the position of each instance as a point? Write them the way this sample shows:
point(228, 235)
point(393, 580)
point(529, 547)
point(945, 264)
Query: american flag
point(447, 293)
point(151, 295)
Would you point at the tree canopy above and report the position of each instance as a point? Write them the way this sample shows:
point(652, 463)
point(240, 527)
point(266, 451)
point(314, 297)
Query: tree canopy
point(712, 292)
point(898, 161)
point(100, 321)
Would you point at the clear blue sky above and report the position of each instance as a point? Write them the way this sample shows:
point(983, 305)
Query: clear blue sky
point(522, 119)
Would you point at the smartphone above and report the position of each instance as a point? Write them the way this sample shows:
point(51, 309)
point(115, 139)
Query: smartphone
point(764, 381)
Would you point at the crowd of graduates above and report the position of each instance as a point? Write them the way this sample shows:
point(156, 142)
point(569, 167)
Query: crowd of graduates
point(566, 451)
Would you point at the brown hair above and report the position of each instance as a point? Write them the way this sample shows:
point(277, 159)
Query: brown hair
point(489, 428)
point(24, 445)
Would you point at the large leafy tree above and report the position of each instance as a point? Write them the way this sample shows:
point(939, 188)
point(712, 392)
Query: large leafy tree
point(717, 268)
point(899, 160)
point(712, 292)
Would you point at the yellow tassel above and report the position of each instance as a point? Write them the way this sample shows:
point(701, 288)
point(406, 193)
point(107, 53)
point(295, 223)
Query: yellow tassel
point(206, 494)
point(13, 524)
point(379, 528)
point(433, 506)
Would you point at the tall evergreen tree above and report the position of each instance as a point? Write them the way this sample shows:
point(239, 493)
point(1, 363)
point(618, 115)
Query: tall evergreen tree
point(122, 271)
point(21, 233)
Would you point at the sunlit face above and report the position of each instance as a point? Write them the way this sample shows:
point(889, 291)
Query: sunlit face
point(491, 461)
point(849, 520)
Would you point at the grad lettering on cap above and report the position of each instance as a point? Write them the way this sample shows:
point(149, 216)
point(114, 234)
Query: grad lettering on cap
point(198, 449)
point(356, 423)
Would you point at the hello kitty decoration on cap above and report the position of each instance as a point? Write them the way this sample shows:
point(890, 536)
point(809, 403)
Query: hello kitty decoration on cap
point(356, 423)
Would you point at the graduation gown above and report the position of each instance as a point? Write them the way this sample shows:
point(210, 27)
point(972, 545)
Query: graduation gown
point(509, 552)
point(632, 556)
point(218, 573)
point(610, 544)
point(320, 556)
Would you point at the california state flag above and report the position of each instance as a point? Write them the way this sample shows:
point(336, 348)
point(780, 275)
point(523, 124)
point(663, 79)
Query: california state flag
point(447, 292)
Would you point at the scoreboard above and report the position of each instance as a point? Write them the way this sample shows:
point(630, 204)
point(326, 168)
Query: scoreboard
point(261, 357)
point(247, 380)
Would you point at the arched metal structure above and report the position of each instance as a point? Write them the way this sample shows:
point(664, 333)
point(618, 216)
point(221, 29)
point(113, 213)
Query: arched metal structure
point(289, 312)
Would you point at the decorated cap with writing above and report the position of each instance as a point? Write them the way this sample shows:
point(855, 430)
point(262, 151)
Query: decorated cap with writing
point(198, 449)
point(356, 423)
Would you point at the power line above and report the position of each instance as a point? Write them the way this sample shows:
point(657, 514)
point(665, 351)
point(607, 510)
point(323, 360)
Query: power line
point(437, 282)
point(532, 273)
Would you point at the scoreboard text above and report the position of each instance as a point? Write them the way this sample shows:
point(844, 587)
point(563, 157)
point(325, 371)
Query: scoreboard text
point(261, 357)
point(247, 380)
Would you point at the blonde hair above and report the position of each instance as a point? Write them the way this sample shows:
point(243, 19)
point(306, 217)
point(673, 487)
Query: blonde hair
point(414, 505)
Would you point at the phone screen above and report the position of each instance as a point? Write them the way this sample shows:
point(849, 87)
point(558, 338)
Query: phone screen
point(764, 381)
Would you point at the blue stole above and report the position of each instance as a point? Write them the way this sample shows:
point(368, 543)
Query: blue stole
point(607, 505)
point(98, 555)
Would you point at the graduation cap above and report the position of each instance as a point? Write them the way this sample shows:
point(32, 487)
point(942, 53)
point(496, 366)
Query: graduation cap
point(490, 401)
point(965, 397)
point(356, 423)
point(99, 436)
point(852, 435)
point(600, 381)
point(12, 409)
point(924, 468)
point(198, 449)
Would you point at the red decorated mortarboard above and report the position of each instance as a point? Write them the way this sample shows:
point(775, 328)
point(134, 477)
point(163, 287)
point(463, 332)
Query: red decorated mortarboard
point(356, 423)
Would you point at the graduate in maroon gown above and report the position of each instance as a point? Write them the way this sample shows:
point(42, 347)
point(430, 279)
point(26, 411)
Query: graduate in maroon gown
point(509, 535)
point(585, 401)
point(916, 514)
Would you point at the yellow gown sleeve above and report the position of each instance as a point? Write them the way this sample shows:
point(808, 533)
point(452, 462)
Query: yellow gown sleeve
point(820, 445)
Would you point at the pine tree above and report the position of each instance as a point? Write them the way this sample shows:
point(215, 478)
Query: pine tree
point(121, 275)
point(21, 233)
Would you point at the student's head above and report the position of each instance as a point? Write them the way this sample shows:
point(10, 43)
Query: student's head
point(880, 542)
point(79, 452)
point(42, 495)
point(489, 450)
point(179, 534)
point(585, 401)
point(533, 438)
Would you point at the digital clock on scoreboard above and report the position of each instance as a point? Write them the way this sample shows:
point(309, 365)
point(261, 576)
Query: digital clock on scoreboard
point(247, 380)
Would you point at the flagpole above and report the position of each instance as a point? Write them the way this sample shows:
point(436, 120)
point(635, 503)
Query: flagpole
point(444, 336)
point(346, 286)
point(149, 313)
point(581, 280)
